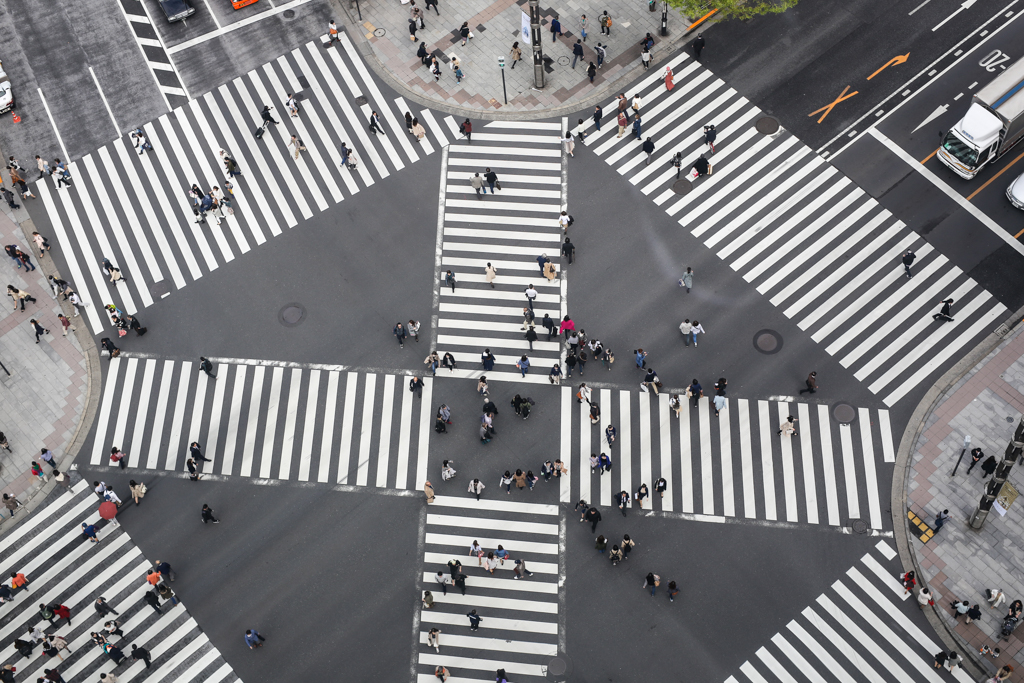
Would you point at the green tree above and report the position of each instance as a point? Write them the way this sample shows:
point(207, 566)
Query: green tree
point(731, 9)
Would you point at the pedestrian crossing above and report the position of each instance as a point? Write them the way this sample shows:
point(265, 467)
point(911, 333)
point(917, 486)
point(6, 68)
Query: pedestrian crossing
point(63, 567)
point(266, 420)
point(509, 229)
point(135, 209)
point(812, 242)
point(734, 465)
point(860, 625)
point(519, 630)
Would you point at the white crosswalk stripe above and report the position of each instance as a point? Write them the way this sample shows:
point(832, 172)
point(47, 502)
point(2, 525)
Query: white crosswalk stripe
point(860, 624)
point(518, 631)
point(732, 465)
point(509, 229)
point(270, 422)
point(63, 567)
point(135, 210)
point(818, 247)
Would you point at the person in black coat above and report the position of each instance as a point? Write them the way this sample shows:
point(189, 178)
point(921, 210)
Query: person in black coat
point(701, 166)
point(423, 54)
point(988, 466)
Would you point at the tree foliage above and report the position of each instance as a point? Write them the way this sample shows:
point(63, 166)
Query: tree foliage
point(731, 9)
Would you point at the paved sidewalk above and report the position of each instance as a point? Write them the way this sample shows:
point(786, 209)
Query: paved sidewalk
point(44, 401)
point(958, 563)
point(496, 25)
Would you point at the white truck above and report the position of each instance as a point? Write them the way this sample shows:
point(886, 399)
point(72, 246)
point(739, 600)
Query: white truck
point(992, 125)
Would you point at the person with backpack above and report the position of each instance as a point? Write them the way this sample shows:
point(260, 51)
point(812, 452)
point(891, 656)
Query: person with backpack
point(466, 128)
point(605, 21)
point(556, 29)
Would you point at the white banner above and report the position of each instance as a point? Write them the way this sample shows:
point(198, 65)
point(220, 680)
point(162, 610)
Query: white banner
point(526, 28)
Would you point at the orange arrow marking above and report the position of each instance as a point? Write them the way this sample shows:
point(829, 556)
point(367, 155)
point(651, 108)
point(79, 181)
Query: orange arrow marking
point(898, 59)
point(828, 108)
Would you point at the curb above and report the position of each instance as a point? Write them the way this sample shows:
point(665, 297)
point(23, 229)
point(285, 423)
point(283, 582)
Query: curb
point(675, 42)
point(37, 496)
point(976, 667)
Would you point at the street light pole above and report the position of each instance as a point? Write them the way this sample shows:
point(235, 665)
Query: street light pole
point(538, 54)
point(501, 63)
point(664, 18)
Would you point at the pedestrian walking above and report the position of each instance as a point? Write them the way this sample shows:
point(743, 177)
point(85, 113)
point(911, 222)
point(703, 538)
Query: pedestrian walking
point(641, 493)
point(102, 608)
point(609, 435)
point(909, 581)
point(492, 180)
point(207, 515)
point(600, 544)
point(433, 639)
point(695, 330)
point(466, 128)
point(591, 72)
point(44, 168)
point(516, 53)
point(811, 382)
point(710, 134)
point(622, 122)
point(645, 57)
point(687, 279)
point(638, 127)
point(652, 581)
point(37, 471)
point(940, 520)
point(568, 145)
point(428, 491)
point(19, 296)
point(431, 3)
point(465, 33)
point(945, 314)
point(695, 391)
point(648, 148)
point(908, 260)
point(593, 516)
point(449, 280)
point(253, 639)
point(577, 51)
point(206, 366)
point(556, 29)
point(374, 122)
point(9, 197)
point(474, 620)
point(118, 458)
point(622, 500)
point(448, 361)
point(137, 490)
point(788, 427)
point(698, 46)
point(523, 364)
point(141, 654)
point(296, 144)
point(476, 487)
point(399, 332)
point(976, 455)
point(988, 467)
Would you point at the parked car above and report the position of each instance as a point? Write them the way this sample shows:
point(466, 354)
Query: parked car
point(177, 10)
point(6, 94)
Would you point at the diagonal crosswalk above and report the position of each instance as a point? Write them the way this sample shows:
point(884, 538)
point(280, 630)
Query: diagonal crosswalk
point(269, 421)
point(806, 237)
point(859, 625)
point(64, 567)
point(519, 627)
point(509, 229)
point(732, 465)
point(135, 210)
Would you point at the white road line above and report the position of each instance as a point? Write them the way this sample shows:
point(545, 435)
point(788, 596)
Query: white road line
point(270, 423)
point(309, 424)
point(404, 429)
point(849, 471)
point(423, 443)
point(625, 440)
point(707, 478)
point(767, 460)
point(255, 396)
point(871, 479)
point(725, 446)
point(135, 454)
point(383, 441)
point(583, 463)
point(788, 473)
point(291, 415)
point(216, 413)
point(159, 417)
point(234, 417)
point(327, 434)
point(685, 457)
point(365, 431)
point(807, 463)
point(178, 418)
point(746, 459)
point(645, 446)
point(931, 177)
point(665, 446)
point(605, 481)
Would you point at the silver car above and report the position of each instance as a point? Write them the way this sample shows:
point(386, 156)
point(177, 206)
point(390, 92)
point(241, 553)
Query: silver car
point(1015, 192)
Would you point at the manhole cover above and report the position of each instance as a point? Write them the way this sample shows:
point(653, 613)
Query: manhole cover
point(361, 100)
point(859, 526)
point(1009, 419)
point(289, 14)
point(557, 666)
point(682, 186)
point(844, 413)
point(379, 32)
point(767, 125)
point(562, 61)
point(291, 314)
point(768, 341)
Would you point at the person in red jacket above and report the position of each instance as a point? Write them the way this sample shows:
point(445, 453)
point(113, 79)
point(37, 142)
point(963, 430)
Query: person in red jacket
point(62, 612)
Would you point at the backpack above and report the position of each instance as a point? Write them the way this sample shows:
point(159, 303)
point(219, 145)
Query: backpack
point(571, 219)
point(462, 128)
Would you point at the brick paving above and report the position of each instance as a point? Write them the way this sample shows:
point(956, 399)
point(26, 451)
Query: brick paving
point(44, 398)
point(496, 26)
point(959, 563)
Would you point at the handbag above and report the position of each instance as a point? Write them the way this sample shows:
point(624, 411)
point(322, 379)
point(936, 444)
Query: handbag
point(471, 35)
point(497, 184)
point(121, 333)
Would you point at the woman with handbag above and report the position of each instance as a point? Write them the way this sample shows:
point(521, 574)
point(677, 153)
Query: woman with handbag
point(137, 490)
point(652, 581)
